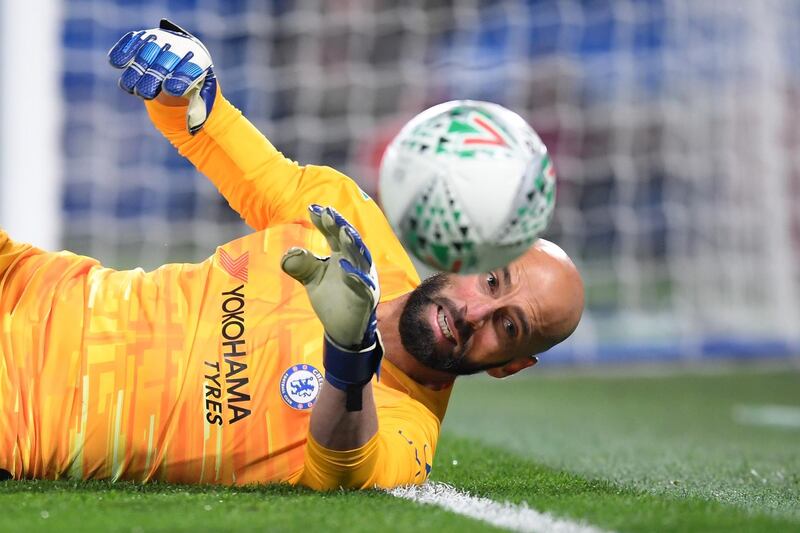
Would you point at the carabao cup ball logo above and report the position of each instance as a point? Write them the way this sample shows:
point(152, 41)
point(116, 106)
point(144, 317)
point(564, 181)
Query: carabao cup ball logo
point(300, 386)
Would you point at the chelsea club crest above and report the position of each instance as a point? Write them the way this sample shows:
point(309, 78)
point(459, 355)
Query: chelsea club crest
point(300, 386)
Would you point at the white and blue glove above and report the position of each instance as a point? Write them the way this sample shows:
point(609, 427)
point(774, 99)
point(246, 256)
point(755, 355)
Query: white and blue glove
point(344, 292)
point(169, 59)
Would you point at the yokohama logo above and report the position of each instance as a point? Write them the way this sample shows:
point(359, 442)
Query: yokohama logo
point(235, 267)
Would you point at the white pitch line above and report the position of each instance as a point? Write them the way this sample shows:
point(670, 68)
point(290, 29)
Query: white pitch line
point(504, 515)
point(780, 416)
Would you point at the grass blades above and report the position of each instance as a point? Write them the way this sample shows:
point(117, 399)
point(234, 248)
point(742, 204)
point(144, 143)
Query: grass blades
point(674, 435)
point(487, 471)
point(48, 506)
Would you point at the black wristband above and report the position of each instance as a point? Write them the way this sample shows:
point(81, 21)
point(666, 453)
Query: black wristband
point(350, 371)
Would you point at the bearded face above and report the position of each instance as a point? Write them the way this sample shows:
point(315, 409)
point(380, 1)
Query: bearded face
point(427, 324)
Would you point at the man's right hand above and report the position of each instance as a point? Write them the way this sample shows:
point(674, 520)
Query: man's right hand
point(343, 288)
point(168, 59)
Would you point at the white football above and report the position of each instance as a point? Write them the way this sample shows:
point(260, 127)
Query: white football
point(468, 186)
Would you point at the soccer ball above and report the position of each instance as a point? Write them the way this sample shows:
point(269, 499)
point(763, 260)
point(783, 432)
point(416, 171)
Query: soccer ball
point(467, 186)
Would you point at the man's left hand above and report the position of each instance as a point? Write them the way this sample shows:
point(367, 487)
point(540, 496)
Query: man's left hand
point(168, 59)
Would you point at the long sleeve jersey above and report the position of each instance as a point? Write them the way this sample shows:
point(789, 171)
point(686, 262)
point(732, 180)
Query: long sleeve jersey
point(201, 373)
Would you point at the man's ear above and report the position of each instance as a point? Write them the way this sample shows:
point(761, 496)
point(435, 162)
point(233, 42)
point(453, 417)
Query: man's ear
point(512, 367)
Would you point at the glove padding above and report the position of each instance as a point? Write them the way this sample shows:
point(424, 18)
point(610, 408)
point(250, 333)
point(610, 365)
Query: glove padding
point(343, 288)
point(171, 59)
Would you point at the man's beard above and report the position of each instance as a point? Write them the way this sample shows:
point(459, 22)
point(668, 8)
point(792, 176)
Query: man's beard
point(418, 337)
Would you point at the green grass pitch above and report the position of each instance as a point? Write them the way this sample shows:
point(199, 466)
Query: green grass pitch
point(620, 453)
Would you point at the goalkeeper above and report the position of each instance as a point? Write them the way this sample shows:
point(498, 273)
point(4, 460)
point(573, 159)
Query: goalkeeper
point(229, 371)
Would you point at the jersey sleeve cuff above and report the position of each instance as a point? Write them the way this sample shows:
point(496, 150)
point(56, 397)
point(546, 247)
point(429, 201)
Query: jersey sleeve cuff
point(327, 469)
point(166, 118)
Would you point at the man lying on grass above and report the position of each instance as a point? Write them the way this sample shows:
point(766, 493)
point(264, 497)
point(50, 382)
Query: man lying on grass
point(211, 372)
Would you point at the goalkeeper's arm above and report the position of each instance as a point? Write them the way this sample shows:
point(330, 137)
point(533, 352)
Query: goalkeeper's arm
point(346, 447)
point(344, 292)
point(184, 102)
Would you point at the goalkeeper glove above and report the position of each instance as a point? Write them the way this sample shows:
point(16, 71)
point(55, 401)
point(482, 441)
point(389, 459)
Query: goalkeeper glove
point(344, 293)
point(171, 59)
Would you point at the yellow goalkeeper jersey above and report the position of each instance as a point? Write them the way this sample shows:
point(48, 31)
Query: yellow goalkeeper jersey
point(201, 373)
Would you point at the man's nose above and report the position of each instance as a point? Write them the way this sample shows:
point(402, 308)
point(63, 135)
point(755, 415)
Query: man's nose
point(477, 311)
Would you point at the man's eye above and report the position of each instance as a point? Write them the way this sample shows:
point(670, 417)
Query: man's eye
point(510, 328)
point(491, 280)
